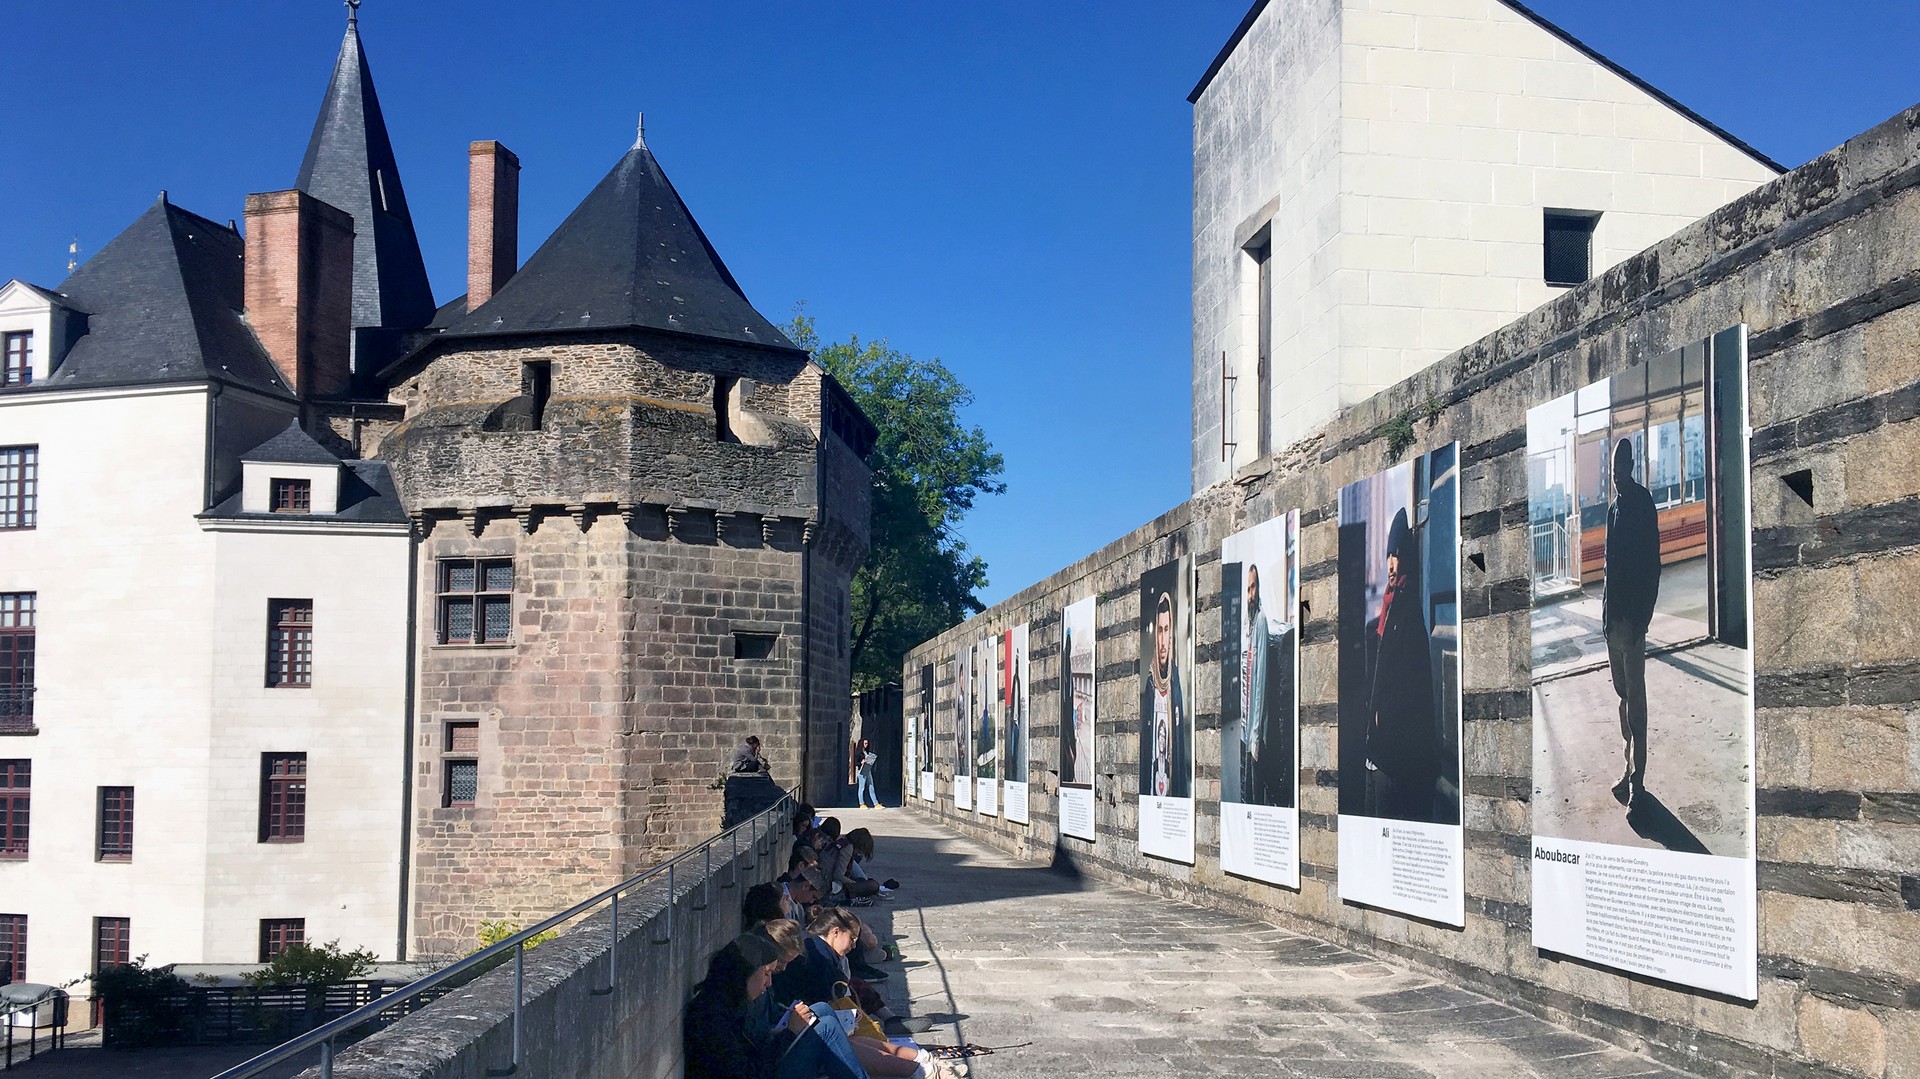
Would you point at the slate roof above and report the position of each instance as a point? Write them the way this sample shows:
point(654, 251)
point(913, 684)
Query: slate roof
point(630, 256)
point(350, 164)
point(293, 446)
point(165, 303)
point(1525, 12)
point(367, 496)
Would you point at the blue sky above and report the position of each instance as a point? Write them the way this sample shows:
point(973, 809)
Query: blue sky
point(1003, 185)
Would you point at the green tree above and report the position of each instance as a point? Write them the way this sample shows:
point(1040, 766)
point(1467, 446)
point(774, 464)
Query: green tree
point(919, 578)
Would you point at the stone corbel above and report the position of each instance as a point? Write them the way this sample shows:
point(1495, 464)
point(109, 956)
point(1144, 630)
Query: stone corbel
point(719, 526)
point(476, 520)
point(675, 514)
point(419, 526)
point(766, 529)
point(529, 518)
point(582, 515)
point(629, 512)
point(808, 528)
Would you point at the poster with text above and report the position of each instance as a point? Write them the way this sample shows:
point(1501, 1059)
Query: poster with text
point(1399, 672)
point(986, 730)
point(924, 762)
point(910, 755)
point(1076, 720)
point(1259, 703)
point(1013, 781)
point(1643, 800)
point(964, 676)
point(1166, 711)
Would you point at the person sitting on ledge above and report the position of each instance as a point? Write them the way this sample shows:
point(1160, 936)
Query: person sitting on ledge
point(747, 759)
point(832, 935)
point(724, 1034)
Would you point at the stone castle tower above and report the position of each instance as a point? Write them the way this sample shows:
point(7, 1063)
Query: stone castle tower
point(639, 508)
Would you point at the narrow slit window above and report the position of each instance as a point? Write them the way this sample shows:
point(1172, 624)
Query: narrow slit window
point(1568, 246)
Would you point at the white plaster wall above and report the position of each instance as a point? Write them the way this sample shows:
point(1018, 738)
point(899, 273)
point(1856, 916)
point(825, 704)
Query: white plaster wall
point(151, 651)
point(344, 879)
point(1462, 122)
point(124, 578)
point(1405, 151)
point(256, 490)
point(21, 309)
point(1265, 149)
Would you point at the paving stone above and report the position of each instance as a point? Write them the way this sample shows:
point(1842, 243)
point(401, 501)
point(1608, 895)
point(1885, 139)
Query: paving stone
point(1094, 979)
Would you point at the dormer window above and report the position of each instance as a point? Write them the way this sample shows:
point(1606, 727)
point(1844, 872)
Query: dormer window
point(292, 496)
point(16, 369)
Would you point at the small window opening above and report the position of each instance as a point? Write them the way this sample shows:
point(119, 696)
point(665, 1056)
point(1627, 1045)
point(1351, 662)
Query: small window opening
point(1569, 246)
point(723, 405)
point(753, 645)
point(536, 384)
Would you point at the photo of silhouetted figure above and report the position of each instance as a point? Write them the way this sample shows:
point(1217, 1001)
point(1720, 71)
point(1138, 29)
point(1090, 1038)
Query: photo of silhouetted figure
point(1632, 588)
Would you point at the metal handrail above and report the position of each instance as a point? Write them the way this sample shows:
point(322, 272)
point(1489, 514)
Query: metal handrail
point(323, 1035)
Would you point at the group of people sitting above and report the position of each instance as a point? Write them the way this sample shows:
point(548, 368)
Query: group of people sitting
point(776, 1000)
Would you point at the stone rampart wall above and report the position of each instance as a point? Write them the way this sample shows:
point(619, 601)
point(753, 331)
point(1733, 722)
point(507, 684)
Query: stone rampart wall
point(1823, 266)
point(569, 1025)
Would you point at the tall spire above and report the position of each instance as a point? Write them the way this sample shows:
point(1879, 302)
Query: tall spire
point(350, 164)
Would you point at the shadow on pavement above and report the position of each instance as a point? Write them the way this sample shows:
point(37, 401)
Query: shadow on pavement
point(1652, 820)
point(935, 875)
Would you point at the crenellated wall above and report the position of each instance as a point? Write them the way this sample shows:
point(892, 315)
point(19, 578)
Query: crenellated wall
point(1823, 266)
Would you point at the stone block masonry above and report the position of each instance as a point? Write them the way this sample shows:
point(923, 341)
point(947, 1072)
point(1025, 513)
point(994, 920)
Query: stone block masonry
point(569, 1025)
point(678, 583)
point(1823, 266)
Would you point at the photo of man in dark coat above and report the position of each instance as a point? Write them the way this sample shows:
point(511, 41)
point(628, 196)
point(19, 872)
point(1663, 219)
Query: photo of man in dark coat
point(1403, 750)
point(1632, 589)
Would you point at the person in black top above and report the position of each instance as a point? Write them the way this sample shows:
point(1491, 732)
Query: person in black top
point(725, 1035)
point(1632, 588)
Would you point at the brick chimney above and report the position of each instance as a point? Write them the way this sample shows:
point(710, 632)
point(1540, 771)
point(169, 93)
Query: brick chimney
point(493, 219)
point(299, 291)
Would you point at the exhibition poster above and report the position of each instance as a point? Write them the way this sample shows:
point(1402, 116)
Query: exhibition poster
point(910, 741)
point(1076, 720)
point(1400, 837)
point(1259, 702)
point(1013, 779)
point(986, 745)
point(963, 720)
point(925, 764)
point(1166, 711)
point(1643, 801)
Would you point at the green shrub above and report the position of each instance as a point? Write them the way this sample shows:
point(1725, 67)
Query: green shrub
point(497, 930)
point(144, 1005)
point(313, 964)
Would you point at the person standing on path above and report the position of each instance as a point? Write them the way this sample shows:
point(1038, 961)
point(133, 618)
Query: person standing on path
point(1632, 586)
point(864, 760)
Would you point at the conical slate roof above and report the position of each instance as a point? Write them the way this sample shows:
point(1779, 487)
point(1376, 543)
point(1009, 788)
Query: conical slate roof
point(630, 256)
point(165, 302)
point(350, 165)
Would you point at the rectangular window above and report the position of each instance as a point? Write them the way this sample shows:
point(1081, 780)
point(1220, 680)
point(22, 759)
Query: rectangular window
point(116, 824)
point(19, 487)
point(112, 943)
point(476, 600)
point(276, 934)
point(461, 771)
point(17, 367)
point(283, 797)
point(1569, 246)
point(292, 496)
point(16, 661)
point(289, 642)
point(16, 804)
point(13, 948)
point(748, 645)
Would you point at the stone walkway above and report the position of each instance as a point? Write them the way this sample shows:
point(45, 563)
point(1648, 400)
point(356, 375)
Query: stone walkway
point(1094, 980)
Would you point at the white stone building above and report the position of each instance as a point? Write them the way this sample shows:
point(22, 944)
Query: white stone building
point(204, 613)
point(1377, 183)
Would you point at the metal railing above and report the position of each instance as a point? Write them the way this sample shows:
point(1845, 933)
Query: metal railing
point(27, 1015)
point(16, 707)
point(761, 830)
